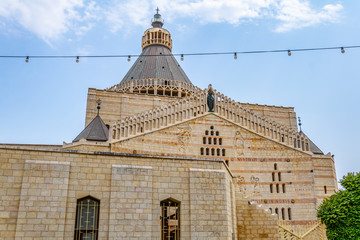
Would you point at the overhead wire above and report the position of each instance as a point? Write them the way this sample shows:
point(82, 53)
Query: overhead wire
point(234, 53)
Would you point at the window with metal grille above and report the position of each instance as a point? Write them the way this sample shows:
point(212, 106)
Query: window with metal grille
point(87, 219)
point(170, 219)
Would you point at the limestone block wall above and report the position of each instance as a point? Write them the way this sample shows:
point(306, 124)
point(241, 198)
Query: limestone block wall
point(40, 189)
point(131, 202)
point(324, 177)
point(117, 105)
point(283, 115)
point(42, 206)
point(210, 208)
point(253, 221)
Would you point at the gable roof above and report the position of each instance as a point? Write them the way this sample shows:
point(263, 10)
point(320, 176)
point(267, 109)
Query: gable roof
point(313, 148)
point(95, 131)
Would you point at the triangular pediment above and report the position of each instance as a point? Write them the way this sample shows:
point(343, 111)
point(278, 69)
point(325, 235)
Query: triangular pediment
point(195, 106)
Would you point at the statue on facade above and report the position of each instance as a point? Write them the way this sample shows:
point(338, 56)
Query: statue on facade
point(210, 99)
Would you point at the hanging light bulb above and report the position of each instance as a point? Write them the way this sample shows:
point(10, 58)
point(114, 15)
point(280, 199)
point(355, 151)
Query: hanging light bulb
point(129, 58)
point(182, 57)
point(27, 59)
point(77, 59)
point(289, 53)
point(235, 56)
point(342, 50)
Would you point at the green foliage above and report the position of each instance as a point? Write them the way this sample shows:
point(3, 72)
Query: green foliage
point(341, 212)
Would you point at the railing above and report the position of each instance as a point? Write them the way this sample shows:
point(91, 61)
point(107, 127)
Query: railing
point(155, 86)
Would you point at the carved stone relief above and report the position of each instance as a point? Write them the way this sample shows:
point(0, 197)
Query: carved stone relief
point(241, 183)
point(239, 144)
point(184, 137)
point(255, 180)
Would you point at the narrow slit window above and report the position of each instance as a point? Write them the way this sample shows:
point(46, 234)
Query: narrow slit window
point(283, 188)
point(289, 213)
point(271, 188)
point(283, 213)
point(325, 189)
point(275, 166)
point(87, 218)
point(273, 177)
point(277, 188)
point(279, 177)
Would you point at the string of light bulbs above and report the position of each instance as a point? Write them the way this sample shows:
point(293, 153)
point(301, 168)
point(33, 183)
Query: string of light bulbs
point(235, 53)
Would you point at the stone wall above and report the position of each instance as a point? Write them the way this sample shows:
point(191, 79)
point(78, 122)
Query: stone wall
point(40, 188)
point(118, 105)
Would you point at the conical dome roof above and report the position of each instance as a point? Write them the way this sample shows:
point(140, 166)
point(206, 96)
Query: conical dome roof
point(156, 70)
point(156, 62)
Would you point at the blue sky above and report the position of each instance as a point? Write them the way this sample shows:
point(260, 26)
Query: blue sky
point(44, 101)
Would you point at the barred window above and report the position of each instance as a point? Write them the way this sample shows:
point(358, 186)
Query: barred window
point(170, 219)
point(87, 219)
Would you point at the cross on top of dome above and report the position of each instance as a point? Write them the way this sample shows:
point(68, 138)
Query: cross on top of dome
point(157, 21)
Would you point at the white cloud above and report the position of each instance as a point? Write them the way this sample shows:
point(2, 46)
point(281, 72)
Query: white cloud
point(295, 14)
point(52, 19)
point(48, 19)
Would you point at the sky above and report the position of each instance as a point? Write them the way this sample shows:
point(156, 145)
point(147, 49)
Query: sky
point(44, 101)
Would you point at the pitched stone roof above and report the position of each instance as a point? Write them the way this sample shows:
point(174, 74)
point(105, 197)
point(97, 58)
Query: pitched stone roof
point(313, 148)
point(156, 61)
point(95, 131)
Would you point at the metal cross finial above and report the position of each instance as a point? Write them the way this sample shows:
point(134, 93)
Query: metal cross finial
point(157, 10)
point(98, 105)
point(299, 123)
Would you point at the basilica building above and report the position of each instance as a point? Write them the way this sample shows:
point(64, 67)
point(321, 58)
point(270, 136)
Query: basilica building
point(160, 158)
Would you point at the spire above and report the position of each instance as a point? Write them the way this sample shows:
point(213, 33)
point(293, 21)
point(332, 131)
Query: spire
point(299, 123)
point(157, 21)
point(98, 106)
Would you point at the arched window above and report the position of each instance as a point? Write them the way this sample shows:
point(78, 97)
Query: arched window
point(218, 152)
point(217, 133)
point(223, 152)
point(204, 140)
point(214, 140)
point(270, 210)
point(207, 151)
point(220, 141)
point(276, 211)
point(213, 152)
point(206, 132)
point(202, 151)
point(170, 219)
point(87, 218)
point(209, 140)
